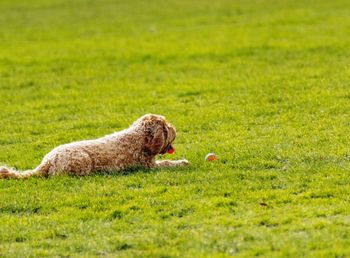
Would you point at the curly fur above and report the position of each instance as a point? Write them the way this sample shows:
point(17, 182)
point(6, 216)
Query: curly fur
point(138, 145)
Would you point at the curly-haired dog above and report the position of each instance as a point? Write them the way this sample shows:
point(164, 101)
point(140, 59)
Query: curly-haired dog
point(138, 145)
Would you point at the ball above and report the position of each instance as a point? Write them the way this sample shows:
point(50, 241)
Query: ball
point(210, 157)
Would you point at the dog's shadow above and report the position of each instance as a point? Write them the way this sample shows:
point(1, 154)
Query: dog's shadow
point(131, 171)
point(140, 170)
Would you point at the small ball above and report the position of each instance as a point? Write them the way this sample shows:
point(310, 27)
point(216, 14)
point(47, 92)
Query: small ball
point(210, 157)
point(171, 151)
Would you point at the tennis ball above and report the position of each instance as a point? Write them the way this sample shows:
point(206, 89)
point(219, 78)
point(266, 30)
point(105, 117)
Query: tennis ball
point(210, 157)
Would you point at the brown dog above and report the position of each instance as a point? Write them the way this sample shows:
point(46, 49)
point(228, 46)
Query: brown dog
point(138, 145)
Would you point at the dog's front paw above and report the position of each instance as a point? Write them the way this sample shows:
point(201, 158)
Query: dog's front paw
point(183, 162)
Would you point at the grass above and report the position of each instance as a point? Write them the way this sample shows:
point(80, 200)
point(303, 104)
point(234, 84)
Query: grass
point(263, 84)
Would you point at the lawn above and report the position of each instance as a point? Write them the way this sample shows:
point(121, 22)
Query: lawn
point(263, 84)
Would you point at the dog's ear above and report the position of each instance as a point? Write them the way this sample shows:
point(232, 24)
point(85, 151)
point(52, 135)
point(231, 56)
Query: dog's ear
point(155, 142)
point(155, 130)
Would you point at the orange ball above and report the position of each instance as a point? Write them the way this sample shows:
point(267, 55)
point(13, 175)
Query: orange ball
point(210, 157)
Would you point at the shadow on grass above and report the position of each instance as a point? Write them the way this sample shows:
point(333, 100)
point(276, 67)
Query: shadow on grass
point(137, 170)
point(127, 172)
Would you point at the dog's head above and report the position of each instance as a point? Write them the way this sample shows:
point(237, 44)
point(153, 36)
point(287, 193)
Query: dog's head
point(159, 134)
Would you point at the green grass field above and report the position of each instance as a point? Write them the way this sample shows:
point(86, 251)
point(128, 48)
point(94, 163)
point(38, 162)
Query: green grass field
point(263, 84)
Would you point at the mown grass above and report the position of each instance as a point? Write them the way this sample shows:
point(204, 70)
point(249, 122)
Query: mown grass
point(263, 84)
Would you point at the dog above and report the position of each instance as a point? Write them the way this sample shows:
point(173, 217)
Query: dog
point(137, 145)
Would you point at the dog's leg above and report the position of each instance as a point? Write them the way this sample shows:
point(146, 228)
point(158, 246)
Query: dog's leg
point(171, 163)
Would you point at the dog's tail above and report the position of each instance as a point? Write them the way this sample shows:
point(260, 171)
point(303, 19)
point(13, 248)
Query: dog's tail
point(6, 172)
